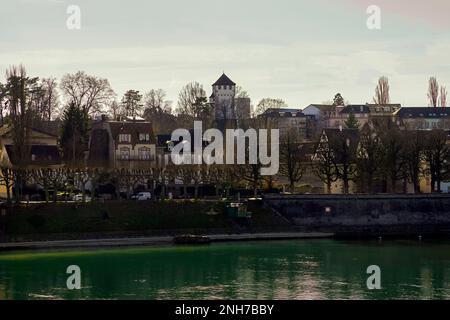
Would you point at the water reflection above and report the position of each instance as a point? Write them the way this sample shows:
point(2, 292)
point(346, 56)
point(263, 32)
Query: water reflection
point(316, 269)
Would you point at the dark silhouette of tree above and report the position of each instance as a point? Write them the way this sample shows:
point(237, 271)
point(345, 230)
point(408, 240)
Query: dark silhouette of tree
point(382, 96)
point(437, 156)
point(351, 122)
point(323, 163)
point(131, 104)
point(368, 158)
point(413, 156)
point(291, 165)
point(338, 100)
point(189, 98)
point(433, 92)
point(392, 166)
point(269, 103)
point(93, 95)
point(74, 135)
point(443, 97)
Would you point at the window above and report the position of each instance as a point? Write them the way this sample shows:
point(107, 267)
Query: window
point(144, 154)
point(124, 154)
point(144, 137)
point(124, 137)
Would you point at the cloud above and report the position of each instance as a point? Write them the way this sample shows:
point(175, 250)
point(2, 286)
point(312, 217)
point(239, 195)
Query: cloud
point(299, 74)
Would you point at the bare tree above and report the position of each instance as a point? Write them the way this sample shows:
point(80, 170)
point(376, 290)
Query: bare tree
point(19, 88)
point(291, 165)
point(443, 97)
point(382, 96)
point(7, 180)
point(269, 103)
point(437, 153)
point(188, 100)
point(323, 164)
point(368, 158)
point(344, 160)
point(3, 93)
point(433, 92)
point(392, 166)
point(50, 98)
point(115, 109)
point(155, 102)
point(42, 177)
point(241, 93)
point(89, 93)
point(413, 155)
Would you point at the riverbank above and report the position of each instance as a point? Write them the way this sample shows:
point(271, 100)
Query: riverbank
point(130, 223)
point(153, 241)
point(132, 219)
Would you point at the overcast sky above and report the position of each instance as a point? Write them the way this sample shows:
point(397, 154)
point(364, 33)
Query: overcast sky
point(301, 51)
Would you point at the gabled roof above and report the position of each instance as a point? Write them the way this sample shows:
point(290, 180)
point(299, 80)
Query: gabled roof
point(134, 128)
point(423, 112)
point(224, 81)
point(39, 155)
point(6, 128)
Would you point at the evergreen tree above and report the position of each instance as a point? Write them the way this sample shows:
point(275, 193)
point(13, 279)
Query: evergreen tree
point(351, 122)
point(338, 100)
point(74, 135)
point(131, 103)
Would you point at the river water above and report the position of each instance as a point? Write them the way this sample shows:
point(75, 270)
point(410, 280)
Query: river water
point(303, 269)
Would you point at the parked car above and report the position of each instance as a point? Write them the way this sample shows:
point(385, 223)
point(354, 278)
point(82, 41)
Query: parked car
point(141, 196)
point(79, 197)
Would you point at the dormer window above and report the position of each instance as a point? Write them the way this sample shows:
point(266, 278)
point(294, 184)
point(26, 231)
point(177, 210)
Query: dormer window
point(125, 137)
point(144, 137)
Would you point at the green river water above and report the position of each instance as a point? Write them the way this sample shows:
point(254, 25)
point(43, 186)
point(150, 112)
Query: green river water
point(304, 269)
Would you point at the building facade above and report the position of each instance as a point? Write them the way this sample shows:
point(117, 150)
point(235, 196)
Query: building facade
point(126, 144)
point(423, 118)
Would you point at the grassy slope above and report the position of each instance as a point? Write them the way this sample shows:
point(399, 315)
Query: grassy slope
point(70, 221)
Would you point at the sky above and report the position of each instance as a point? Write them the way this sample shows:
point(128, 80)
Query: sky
point(301, 51)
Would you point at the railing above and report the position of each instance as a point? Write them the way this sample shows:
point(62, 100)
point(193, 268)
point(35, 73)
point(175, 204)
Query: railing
point(135, 158)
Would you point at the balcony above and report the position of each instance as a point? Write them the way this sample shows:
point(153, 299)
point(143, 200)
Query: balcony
point(135, 158)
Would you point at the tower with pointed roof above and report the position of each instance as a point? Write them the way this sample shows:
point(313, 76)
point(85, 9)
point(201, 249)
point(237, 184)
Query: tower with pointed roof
point(222, 97)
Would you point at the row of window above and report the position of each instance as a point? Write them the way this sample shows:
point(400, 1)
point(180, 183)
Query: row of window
point(143, 153)
point(225, 87)
point(126, 137)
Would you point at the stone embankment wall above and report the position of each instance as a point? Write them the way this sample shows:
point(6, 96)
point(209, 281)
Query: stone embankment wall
point(372, 214)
